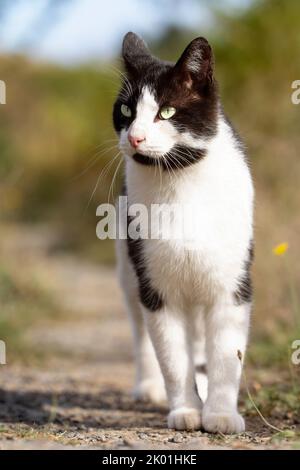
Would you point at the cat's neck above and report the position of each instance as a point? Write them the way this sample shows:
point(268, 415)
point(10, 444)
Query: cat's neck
point(147, 184)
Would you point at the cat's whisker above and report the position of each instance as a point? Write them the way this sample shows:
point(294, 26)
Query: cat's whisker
point(93, 161)
point(180, 159)
point(103, 172)
point(183, 154)
point(171, 172)
point(155, 168)
point(99, 146)
point(113, 181)
point(107, 141)
point(103, 143)
point(160, 174)
point(124, 78)
point(168, 165)
point(119, 72)
point(177, 159)
point(125, 94)
point(175, 162)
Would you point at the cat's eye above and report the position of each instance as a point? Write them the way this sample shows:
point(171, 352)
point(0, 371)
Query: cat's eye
point(167, 112)
point(125, 110)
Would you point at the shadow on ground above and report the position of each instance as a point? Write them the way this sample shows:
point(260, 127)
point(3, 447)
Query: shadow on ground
point(71, 408)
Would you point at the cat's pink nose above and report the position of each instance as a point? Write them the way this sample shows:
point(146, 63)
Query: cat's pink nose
point(135, 141)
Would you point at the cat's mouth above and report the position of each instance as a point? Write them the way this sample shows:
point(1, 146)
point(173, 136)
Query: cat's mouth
point(154, 153)
point(177, 157)
point(147, 152)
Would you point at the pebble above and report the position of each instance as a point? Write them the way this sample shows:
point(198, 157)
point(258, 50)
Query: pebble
point(177, 439)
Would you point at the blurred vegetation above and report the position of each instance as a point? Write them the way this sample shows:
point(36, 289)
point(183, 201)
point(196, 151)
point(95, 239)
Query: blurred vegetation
point(24, 302)
point(56, 120)
point(56, 137)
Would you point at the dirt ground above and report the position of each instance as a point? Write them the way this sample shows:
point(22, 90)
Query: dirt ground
point(78, 394)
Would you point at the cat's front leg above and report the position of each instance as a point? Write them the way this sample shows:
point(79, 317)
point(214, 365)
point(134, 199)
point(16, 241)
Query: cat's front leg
point(172, 340)
point(226, 338)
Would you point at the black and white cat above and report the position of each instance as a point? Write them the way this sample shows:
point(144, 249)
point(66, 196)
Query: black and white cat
point(188, 307)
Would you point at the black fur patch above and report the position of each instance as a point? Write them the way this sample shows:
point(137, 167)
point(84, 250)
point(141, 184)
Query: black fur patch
point(179, 157)
point(149, 297)
point(244, 292)
point(201, 369)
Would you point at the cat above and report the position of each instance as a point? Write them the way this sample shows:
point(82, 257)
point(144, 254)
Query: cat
point(189, 308)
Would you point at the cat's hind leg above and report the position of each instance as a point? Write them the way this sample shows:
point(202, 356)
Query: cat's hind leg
point(149, 384)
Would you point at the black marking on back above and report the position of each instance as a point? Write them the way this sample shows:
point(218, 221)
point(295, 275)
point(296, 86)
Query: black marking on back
point(244, 292)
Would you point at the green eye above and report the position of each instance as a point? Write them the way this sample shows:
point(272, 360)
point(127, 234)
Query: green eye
point(167, 112)
point(125, 110)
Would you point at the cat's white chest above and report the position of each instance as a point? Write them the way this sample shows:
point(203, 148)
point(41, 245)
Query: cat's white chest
point(196, 265)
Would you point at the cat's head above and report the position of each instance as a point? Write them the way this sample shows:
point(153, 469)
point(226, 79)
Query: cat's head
point(163, 107)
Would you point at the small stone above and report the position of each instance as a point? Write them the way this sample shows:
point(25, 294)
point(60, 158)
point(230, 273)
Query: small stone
point(176, 439)
point(128, 442)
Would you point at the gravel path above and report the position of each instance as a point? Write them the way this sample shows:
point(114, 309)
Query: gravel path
point(79, 395)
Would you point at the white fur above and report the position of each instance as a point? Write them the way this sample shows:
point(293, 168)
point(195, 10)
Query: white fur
point(198, 285)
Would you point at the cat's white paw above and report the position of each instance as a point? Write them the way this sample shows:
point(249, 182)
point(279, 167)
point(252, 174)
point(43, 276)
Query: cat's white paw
point(223, 422)
point(150, 390)
point(185, 419)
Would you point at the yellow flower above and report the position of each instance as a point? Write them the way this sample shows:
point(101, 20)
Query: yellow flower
point(280, 249)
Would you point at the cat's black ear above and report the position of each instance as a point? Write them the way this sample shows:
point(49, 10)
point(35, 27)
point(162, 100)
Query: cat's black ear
point(135, 53)
point(195, 65)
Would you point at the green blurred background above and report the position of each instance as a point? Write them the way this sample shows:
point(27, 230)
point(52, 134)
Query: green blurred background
point(56, 137)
